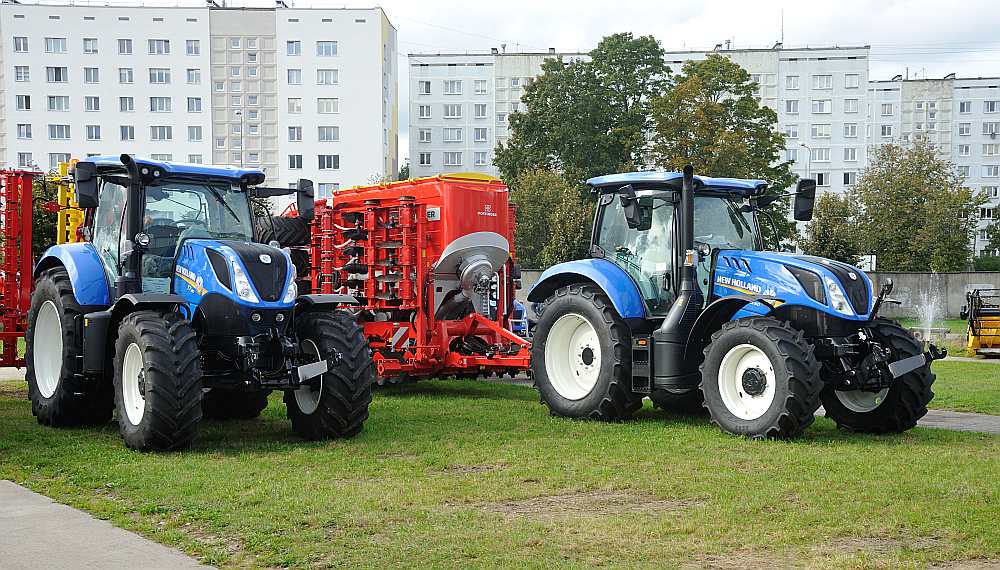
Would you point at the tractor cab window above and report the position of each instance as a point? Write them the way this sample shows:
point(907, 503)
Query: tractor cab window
point(646, 255)
point(719, 224)
point(107, 234)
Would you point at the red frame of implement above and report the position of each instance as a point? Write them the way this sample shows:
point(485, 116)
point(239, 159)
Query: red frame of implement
point(15, 270)
point(401, 246)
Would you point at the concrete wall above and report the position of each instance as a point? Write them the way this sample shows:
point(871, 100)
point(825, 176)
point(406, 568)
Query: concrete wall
point(913, 289)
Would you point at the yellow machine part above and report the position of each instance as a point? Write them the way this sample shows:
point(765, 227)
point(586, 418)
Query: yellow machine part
point(70, 216)
point(987, 335)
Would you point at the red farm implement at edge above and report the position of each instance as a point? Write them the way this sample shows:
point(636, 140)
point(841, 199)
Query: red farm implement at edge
point(15, 269)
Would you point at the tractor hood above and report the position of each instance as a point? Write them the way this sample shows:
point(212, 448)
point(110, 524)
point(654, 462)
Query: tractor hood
point(249, 274)
point(836, 288)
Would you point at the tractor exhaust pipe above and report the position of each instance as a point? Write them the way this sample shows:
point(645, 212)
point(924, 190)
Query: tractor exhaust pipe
point(130, 279)
point(673, 370)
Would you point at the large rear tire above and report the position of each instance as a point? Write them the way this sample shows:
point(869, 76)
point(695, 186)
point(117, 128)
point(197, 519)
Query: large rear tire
point(336, 405)
point(227, 404)
point(895, 409)
point(289, 232)
point(157, 381)
point(581, 357)
point(760, 379)
point(58, 396)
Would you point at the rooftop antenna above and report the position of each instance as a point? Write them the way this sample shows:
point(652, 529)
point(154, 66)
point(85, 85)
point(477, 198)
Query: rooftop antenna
point(782, 25)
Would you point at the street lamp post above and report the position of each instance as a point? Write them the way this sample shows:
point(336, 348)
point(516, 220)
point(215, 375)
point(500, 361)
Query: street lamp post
point(239, 113)
point(809, 159)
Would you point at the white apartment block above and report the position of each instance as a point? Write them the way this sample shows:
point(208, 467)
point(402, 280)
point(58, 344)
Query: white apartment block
point(300, 93)
point(460, 104)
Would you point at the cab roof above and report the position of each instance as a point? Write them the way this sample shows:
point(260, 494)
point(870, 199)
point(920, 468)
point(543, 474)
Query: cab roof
point(249, 176)
point(673, 180)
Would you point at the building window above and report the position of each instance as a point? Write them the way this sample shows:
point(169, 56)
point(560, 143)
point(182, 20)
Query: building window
point(252, 57)
point(791, 131)
point(295, 161)
point(159, 75)
point(479, 134)
point(126, 104)
point(93, 132)
point(220, 142)
point(23, 102)
point(21, 73)
point(425, 159)
point(294, 134)
point(91, 75)
point(159, 47)
point(56, 74)
point(24, 160)
point(424, 87)
point(886, 109)
point(329, 161)
point(850, 154)
point(295, 77)
point(253, 157)
point(791, 154)
point(161, 132)
point(194, 76)
point(852, 81)
point(235, 71)
point(453, 111)
point(20, 44)
point(194, 104)
point(254, 129)
point(90, 45)
point(194, 158)
point(252, 114)
point(850, 130)
point(91, 103)
point(24, 131)
point(991, 106)
point(822, 178)
point(58, 102)
point(822, 82)
point(293, 47)
point(964, 149)
point(251, 72)
point(850, 105)
point(294, 105)
point(236, 156)
point(253, 100)
point(424, 135)
point(850, 178)
point(515, 81)
point(326, 106)
point(329, 134)
point(57, 158)
point(964, 129)
point(480, 110)
point(821, 131)
point(453, 135)
point(194, 133)
point(326, 49)
point(501, 118)
point(991, 192)
point(327, 77)
point(886, 130)
point(965, 107)
point(220, 86)
point(479, 158)
point(159, 104)
point(453, 159)
point(453, 87)
point(964, 171)
point(986, 214)
point(791, 82)
point(125, 75)
point(821, 155)
point(127, 132)
point(991, 171)
point(193, 47)
point(480, 87)
point(235, 43)
point(991, 128)
point(55, 45)
point(791, 106)
point(991, 149)
point(424, 111)
point(326, 189)
point(59, 132)
point(822, 106)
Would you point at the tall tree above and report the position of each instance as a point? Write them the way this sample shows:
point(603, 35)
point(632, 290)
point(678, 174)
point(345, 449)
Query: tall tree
point(586, 118)
point(710, 118)
point(553, 219)
point(831, 233)
point(914, 212)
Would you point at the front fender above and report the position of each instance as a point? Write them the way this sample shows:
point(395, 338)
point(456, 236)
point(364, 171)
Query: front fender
point(86, 272)
point(613, 280)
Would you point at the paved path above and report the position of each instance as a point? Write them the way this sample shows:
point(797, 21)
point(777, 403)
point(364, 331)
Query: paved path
point(37, 533)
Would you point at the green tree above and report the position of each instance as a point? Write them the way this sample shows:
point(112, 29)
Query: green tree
point(914, 213)
point(831, 233)
point(404, 172)
point(710, 118)
point(587, 118)
point(553, 220)
point(43, 222)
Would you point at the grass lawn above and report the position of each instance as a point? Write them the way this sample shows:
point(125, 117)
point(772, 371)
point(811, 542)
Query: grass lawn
point(967, 386)
point(470, 474)
point(955, 326)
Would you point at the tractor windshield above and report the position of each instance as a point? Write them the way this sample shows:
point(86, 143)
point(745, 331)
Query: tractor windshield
point(719, 224)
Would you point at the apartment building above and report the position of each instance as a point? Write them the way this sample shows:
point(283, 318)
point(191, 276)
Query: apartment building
point(300, 93)
point(460, 104)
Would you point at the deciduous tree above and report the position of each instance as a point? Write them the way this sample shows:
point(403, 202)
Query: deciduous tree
point(831, 233)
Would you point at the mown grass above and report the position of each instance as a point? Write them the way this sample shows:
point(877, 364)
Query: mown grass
point(967, 386)
point(459, 474)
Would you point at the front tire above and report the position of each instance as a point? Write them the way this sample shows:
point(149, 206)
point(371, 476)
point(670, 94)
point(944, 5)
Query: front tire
point(895, 409)
point(337, 405)
point(59, 398)
point(157, 381)
point(581, 357)
point(760, 379)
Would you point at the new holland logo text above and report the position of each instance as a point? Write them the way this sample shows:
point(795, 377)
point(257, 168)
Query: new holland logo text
point(194, 281)
point(488, 211)
point(738, 285)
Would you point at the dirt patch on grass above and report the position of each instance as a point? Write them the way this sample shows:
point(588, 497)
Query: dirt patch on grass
point(585, 504)
point(976, 564)
point(466, 469)
point(14, 390)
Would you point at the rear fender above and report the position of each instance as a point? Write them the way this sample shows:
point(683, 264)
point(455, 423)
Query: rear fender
point(86, 272)
point(616, 284)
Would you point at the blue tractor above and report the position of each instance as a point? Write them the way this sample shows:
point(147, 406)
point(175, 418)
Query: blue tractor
point(170, 311)
point(679, 302)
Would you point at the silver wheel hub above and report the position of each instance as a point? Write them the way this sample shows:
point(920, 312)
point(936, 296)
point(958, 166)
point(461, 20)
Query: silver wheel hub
point(746, 382)
point(860, 401)
point(572, 356)
point(134, 384)
point(307, 396)
point(47, 349)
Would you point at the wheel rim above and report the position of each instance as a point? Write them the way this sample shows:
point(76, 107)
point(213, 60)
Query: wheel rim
point(746, 382)
point(860, 401)
point(133, 378)
point(572, 356)
point(47, 349)
point(307, 396)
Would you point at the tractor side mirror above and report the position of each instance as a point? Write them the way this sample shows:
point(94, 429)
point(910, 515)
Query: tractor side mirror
point(85, 180)
point(805, 199)
point(636, 216)
point(304, 200)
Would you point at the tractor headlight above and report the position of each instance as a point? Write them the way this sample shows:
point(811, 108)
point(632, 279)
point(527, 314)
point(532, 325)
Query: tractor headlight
point(837, 298)
point(292, 293)
point(241, 284)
